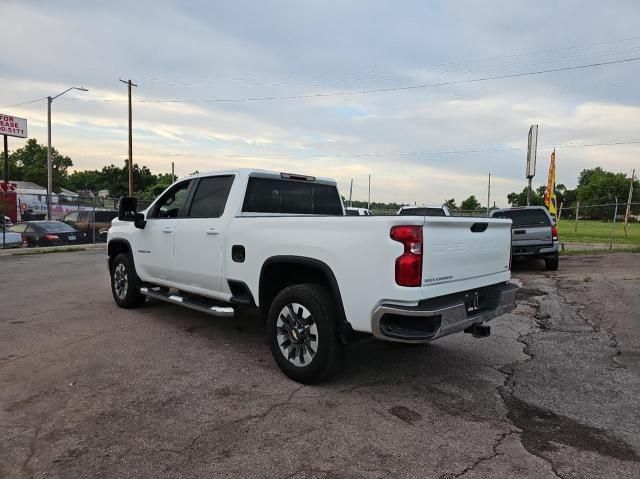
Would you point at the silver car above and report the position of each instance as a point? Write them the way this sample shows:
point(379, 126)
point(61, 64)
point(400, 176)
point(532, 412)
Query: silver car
point(9, 239)
point(534, 233)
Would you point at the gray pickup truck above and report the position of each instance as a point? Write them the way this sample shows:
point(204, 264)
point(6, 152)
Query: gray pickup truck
point(534, 233)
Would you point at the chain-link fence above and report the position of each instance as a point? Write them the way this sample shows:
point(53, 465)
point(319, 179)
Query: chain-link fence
point(29, 220)
point(608, 223)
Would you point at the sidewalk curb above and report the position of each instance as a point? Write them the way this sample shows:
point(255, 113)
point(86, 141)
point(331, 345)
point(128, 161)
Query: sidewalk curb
point(53, 249)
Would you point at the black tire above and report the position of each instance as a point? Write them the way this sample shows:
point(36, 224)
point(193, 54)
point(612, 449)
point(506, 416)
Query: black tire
point(551, 264)
point(124, 282)
point(320, 305)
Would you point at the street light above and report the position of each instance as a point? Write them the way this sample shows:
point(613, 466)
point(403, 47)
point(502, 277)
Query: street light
point(49, 160)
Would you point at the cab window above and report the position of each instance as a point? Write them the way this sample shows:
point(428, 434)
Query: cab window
point(172, 203)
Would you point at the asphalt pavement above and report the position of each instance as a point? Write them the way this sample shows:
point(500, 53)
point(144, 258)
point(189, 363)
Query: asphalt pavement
point(91, 390)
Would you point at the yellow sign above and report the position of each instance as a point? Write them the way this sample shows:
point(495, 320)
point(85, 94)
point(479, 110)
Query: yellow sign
point(550, 193)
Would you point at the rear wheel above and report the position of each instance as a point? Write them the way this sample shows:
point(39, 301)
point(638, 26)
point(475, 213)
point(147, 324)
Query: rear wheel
point(303, 332)
point(551, 264)
point(123, 282)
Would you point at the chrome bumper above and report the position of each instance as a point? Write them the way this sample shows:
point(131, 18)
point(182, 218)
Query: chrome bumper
point(442, 316)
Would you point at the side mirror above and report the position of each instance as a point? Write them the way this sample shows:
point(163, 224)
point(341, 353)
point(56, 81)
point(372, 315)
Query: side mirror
point(139, 221)
point(127, 208)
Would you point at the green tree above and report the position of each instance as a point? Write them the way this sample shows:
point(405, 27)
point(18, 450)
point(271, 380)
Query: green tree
point(163, 180)
point(520, 199)
point(29, 163)
point(451, 204)
point(470, 204)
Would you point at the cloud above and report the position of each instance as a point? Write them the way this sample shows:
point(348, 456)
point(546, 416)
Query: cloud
point(255, 49)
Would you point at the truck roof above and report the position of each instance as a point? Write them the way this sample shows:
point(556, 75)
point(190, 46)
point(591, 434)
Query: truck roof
point(250, 171)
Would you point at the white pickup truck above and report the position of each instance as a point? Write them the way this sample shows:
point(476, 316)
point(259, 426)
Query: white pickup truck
point(216, 242)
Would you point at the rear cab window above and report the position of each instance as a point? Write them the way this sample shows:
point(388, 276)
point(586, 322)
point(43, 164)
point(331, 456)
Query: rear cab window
point(533, 217)
point(286, 196)
point(422, 212)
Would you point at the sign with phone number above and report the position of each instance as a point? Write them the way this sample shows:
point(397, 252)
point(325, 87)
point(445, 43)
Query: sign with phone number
point(13, 126)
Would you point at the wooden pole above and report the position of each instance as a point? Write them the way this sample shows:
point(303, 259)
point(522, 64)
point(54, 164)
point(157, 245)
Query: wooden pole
point(626, 214)
point(577, 213)
point(560, 211)
point(130, 84)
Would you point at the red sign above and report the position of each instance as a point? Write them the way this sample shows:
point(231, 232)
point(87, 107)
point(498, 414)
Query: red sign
point(8, 201)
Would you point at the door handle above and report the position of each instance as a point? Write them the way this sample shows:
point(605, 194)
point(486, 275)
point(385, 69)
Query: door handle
point(212, 231)
point(167, 230)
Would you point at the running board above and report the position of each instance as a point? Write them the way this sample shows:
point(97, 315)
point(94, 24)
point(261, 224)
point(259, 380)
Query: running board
point(221, 311)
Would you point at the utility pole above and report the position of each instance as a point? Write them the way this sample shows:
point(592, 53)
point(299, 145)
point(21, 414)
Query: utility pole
point(489, 195)
point(351, 192)
point(130, 84)
point(6, 160)
point(369, 198)
point(626, 214)
point(49, 160)
point(173, 175)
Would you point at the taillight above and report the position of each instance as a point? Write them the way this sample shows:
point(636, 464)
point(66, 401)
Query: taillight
point(554, 233)
point(409, 265)
point(52, 237)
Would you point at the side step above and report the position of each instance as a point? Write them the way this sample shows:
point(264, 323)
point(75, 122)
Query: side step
point(214, 310)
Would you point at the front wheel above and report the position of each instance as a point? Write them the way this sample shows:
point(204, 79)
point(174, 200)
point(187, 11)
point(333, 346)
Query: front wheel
point(551, 264)
point(123, 283)
point(303, 332)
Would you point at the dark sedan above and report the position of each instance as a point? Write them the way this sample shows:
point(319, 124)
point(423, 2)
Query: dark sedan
point(46, 233)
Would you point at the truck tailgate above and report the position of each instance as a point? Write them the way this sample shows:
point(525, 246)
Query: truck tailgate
point(464, 253)
point(532, 236)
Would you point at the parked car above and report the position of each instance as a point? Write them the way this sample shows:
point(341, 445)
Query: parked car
point(349, 211)
point(427, 210)
point(534, 234)
point(9, 239)
point(86, 223)
point(6, 221)
point(279, 242)
point(46, 233)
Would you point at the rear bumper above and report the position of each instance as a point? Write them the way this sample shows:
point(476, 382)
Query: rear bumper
point(440, 317)
point(535, 251)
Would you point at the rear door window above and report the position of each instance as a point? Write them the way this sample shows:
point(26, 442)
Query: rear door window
point(533, 217)
point(18, 228)
point(71, 217)
point(105, 216)
point(273, 195)
point(210, 197)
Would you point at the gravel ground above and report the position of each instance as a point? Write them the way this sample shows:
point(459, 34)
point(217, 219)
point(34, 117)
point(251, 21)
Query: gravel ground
point(90, 390)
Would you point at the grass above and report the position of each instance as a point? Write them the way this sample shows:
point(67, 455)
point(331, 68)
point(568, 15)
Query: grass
point(587, 252)
point(590, 231)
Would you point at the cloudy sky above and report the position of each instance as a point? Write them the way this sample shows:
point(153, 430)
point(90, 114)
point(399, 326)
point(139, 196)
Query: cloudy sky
point(296, 86)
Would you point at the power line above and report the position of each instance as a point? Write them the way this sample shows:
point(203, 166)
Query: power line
point(632, 141)
point(23, 103)
point(376, 90)
point(457, 62)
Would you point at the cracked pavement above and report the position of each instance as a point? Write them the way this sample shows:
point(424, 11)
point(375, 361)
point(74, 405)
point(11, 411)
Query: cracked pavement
point(90, 390)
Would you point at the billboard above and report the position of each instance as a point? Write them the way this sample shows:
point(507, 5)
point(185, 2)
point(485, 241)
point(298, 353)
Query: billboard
point(13, 126)
point(532, 148)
